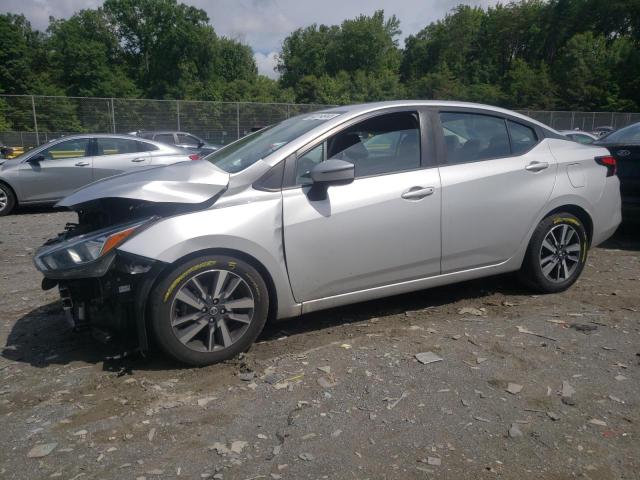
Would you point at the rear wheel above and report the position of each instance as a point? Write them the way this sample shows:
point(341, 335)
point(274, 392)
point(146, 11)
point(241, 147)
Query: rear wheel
point(557, 253)
point(7, 200)
point(209, 309)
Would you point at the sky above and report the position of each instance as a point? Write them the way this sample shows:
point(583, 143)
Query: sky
point(263, 24)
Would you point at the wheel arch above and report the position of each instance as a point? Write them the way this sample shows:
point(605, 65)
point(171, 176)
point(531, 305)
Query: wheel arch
point(254, 262)
point(13, 190)
point(579, 212)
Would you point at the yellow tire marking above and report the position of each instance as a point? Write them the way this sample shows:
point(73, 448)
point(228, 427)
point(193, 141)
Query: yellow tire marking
point(568, 220)
point(174, 284)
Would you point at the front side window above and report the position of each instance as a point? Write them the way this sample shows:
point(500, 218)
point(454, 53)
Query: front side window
point(68, 149)
point(248, 150)
point(383, 144)
point(522, 137)
point(306, 162)
point(471, 137)
point(116, 146)
point(146, 147)
point(165, 138)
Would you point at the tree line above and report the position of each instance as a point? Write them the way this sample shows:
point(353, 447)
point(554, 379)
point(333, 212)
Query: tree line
point(556, 54)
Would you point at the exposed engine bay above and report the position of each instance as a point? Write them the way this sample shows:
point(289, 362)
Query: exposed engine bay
point(102, 288)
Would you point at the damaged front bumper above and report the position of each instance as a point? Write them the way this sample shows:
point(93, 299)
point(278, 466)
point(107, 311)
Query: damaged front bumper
point(107, 296)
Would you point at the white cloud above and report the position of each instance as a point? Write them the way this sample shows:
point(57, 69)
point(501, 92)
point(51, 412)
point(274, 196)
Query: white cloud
point(266, 63)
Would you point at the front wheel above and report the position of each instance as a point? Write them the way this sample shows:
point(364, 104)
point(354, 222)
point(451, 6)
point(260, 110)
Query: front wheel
point(556, 254)
point(7, 200)
point(209, 309)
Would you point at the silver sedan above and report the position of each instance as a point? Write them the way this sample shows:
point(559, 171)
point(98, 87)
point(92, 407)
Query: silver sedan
point(327, 209)
point(52, 171)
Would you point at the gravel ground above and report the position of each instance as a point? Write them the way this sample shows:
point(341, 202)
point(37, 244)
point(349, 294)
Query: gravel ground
point(526, 386)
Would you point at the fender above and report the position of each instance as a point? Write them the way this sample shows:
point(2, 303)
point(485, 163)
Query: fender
point(247, 227)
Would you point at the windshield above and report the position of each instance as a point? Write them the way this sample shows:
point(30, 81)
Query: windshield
point(630, 134)
point(248, 150)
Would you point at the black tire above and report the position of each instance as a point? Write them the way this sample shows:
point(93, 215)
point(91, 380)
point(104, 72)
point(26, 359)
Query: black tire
point(163, 304)
point(532, 273)
point(7, 200)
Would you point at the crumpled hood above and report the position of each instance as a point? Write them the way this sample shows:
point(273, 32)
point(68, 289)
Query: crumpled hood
point(185, 182)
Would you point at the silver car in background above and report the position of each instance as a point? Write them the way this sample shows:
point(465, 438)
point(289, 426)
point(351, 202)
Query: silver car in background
point(580, 136)
point(54, 170)
point(327, 209)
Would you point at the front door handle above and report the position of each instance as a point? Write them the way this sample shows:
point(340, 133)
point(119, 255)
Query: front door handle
point(138, 160)
point(82, 164)
point(416, 193)
point(536, 166)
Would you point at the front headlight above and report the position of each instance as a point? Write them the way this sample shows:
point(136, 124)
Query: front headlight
point(84, 249)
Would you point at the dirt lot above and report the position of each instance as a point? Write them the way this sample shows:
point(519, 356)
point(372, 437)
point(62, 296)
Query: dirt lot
point(338, 394)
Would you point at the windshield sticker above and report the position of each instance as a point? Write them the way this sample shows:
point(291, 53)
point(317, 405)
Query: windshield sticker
point(321, 116)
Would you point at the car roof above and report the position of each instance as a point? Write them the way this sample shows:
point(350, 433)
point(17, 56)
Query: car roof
point(98, 135)
point(369, 107)
point(109, 135)
point(155, 132)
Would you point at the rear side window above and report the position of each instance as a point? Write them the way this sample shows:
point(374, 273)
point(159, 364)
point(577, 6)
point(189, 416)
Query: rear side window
point(146, 147)
point(522, 137)
point(116, 146)
point(472, 137)
point(184, 139)
point(165, 138)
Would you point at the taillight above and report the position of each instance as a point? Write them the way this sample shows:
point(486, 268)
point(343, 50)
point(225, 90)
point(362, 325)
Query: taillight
point(609, 162)
point(194, 156)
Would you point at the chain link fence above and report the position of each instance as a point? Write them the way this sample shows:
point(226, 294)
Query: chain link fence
point(30, 120)
point(586, 121)
point(27, 121)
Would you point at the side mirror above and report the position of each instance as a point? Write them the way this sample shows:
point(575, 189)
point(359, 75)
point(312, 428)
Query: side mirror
point(200, 144)
point(36, 159)
point(330, 172)
point(333, 172)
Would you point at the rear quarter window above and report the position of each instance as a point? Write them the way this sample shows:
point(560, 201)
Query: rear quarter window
point(523, 138)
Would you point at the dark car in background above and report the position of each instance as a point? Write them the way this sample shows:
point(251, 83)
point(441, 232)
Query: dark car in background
point(180, 139)
point(624, 145)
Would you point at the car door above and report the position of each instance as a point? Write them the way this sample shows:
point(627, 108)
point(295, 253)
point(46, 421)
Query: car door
point(115, 155)
point(64, 167)
point(382, 228)
point(496, 176)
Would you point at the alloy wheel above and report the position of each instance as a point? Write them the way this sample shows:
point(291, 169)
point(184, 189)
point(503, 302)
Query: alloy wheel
point(3, 199)
point(560, 253)
point(212, 310)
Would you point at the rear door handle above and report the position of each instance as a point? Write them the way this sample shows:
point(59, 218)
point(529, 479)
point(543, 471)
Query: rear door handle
point(82, 164)
point(536, 166)
point(416, 193)
point(138, 160)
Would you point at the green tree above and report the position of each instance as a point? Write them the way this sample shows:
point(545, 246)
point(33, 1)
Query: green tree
point(86, 56)
point(20, 49)
point(530, 87)
point(584, 74)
